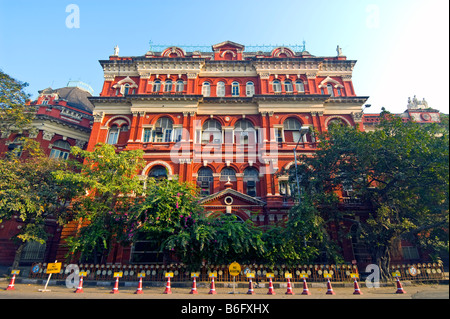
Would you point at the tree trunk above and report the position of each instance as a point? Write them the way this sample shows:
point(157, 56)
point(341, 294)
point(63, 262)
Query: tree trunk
point(17, 256)
point(382, 258)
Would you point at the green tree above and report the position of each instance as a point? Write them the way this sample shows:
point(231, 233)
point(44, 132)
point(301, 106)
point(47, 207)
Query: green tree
point(301, 238)
point(29, 191)
point(111, 188)
point(400, 170)
point(14, 112)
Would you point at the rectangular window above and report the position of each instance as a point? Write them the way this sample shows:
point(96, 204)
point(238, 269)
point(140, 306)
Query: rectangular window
point(112, 138)
point(57, 154)
point(410, 252)
point(146, 251)
point(147, 135)
point(278, 135)
point(168, 135)
point(177, 134)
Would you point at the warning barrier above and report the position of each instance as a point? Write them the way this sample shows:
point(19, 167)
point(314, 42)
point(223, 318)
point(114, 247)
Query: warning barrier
point(181, 273)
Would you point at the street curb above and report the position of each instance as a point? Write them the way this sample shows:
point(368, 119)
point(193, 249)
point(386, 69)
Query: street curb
point(276, 285)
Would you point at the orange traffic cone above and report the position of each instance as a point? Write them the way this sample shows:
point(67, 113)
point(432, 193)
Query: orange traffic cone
point(305, 288)
point(168, 289)
point(139, 288)
point(80, 286)
point(330, 290)
point(399, 287)
point(116, 287)
point(357, 290)
point(11, 284)
point(250, 288)
point(289, 288)
point(271, 291)
point(212, 291)
point(194, 288)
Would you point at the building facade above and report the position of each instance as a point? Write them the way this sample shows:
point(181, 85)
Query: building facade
point(227, 120)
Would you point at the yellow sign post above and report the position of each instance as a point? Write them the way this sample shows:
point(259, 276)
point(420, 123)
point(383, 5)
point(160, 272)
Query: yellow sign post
point(234, 269)
point(52, 268)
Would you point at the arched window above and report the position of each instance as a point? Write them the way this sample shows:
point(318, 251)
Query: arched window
point(113, 135)
point(251, 177)
point(212, 132)
point(276, 86)
point(60, 150)
point(163, 130)
point(157, 86)
point(245, 132)
point(158, 172)
point(220, 89)
point(206, 89)
point(168, 86)
point(180, 86)
point(330, 89)
point(299, 86)
point(204, 180)
point(288, 86)
point(250, 89)
point(336, 121)
point(228, 173)
point(235, 89)
point(291, 129)
point(126, 89)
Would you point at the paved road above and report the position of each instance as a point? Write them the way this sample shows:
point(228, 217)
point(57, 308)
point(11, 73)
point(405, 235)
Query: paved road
point(63, 302)
point(31, 291)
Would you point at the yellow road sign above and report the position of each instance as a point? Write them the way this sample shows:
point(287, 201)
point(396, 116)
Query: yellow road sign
point(118, 274)
point(195, 274)
point(53, 268)
point(287, 275)
point(270, 275)
point(212, 275)
point(168, 274)
point(234, 269)
point(250, 275)
point(15, 272)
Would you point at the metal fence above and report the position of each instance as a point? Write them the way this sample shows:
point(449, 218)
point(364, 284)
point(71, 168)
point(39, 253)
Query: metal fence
point(315, 272)
point(420, 271)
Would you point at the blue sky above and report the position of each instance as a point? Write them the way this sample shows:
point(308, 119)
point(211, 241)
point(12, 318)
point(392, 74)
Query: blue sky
point(402, 47)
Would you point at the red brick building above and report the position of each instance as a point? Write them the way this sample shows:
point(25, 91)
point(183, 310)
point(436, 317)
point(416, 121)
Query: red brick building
point(63, 119)
point(417, 111)
point(227, 120)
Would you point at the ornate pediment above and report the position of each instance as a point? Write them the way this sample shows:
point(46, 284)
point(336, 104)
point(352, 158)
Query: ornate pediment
point(231, 197)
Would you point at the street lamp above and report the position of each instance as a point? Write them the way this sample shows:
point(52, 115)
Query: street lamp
point(303, 130)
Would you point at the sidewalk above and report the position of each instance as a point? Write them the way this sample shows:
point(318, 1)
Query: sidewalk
point(31, 291)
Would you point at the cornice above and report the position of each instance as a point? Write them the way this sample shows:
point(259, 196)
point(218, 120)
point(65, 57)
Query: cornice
point(348, 99)
point(291, 97)
point(44, 117)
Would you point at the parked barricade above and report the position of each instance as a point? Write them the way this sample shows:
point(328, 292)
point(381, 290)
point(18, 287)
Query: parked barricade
point(315, 272)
